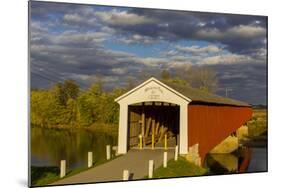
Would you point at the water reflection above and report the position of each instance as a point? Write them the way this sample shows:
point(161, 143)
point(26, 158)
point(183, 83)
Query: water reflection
point(222, 163)
point(49, 146)
point(248, 158)
point(229, 163)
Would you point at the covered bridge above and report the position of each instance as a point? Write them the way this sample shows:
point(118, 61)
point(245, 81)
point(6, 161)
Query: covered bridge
point(193, 117)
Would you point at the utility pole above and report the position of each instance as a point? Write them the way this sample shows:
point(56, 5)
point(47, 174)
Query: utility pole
point(226, 91)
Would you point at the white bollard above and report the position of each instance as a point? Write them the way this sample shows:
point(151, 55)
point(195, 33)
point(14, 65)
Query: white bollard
point(165, 159)
point(108, 152)
point(62, 168)
point(126, 175)
point(176, 153)
point(90, 159)
point(150, 169)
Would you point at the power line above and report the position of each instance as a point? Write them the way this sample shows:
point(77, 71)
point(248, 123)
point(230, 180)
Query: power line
point(227, 90)
point(46, 78)
point(57, 76)
point(52, 80)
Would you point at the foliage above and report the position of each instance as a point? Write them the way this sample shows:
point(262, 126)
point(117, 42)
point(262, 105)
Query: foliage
point(258, 124)
point(64, 104)
point(44, 175)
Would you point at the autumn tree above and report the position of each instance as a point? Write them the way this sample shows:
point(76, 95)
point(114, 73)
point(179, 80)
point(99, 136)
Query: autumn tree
point(200, 77)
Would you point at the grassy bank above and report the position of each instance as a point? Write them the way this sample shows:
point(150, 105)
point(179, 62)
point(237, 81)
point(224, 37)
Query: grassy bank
point(41, 176)
point(180, 168)
point(258, 124)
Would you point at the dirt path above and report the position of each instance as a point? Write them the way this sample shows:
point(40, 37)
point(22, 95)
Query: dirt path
point(136, 161)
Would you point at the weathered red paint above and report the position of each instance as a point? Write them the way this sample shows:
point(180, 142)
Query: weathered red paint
point(209, 125)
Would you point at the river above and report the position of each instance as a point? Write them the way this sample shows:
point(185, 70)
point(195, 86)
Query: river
point(49, 146)
point(254, 150)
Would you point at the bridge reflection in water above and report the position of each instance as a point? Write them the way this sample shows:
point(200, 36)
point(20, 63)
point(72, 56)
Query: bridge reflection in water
point(227, 163)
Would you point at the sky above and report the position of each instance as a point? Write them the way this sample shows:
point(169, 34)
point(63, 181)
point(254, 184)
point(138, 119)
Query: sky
point(88, 42)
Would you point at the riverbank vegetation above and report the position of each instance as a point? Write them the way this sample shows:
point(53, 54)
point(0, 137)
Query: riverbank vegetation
point(179, 168)
point(257, 126)
point(66, 105)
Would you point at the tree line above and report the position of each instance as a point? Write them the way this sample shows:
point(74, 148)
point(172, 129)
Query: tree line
point(67, 104)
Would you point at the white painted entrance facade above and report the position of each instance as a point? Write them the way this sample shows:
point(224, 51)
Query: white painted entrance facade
point(152, 90)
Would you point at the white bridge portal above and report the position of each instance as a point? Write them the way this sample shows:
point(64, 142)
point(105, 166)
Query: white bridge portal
point(152, 90)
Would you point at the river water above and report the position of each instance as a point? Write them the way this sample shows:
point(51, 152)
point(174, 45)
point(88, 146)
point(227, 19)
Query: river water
point(49, 146)
point(254, 150)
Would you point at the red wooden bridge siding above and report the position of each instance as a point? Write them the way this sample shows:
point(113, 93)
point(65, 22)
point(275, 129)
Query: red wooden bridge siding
point(209, 125)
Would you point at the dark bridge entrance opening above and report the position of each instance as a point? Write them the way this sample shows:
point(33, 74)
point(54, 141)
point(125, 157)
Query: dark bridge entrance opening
point(153, 118)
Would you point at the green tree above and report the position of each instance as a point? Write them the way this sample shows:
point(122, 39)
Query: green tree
point(89, 105)
point(64, 91)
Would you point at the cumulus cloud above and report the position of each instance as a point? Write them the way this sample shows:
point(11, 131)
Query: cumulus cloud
point(197, 50)
point(227, 30)
point(122, 18)
point(137, 39)
point(79, 20)
point(226, 59)
point(242, 32)
point(79, 42)
point(249, 79)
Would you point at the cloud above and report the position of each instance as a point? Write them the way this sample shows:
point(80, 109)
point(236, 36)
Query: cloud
point(246, 31)
point(197, 50)
point(119, 70)
point(79, 42)
point(249, 79)
point(122, 18)
point(78, 20)
point(226, 59)
point(242, 31)
point(238, 33)
point(137, 39)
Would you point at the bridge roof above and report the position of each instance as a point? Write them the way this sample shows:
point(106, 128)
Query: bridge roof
point(200, 96)
point(195, 95)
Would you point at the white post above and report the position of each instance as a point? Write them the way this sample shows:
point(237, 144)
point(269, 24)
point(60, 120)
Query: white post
point(123, 129)
point(183, 129)
point(108, 151)
point(126, 175)
point(90, 159)
point(176, 153)
point(165, 159)
point(150, 169)
point(62, 168)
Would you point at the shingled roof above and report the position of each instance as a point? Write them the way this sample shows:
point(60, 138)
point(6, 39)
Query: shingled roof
point(198, 96)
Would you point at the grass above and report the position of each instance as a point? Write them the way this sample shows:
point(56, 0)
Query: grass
point(47, 175)
point(180, 168)
point(258, 124)
point(41, 176)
